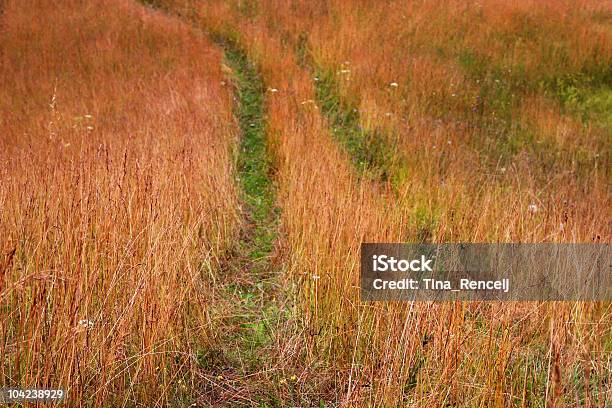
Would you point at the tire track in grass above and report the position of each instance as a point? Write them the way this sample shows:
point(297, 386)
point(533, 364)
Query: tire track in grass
point(246, 345)
point(374, 155)
point(236, 368)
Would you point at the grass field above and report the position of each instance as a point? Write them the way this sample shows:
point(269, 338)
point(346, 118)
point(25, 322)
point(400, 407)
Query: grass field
point(185, 185)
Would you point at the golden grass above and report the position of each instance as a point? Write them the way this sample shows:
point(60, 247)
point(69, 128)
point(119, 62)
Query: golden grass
point(117, 198)
point(426, 354)
point(97, 217)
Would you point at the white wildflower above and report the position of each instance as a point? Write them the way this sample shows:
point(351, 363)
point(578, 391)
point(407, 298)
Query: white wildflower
point(532, 208)
point(393, 84)
point(87, 324)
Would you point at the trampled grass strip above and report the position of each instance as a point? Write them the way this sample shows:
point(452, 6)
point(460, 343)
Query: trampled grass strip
point(374, 155)
point(240, 356)
point(258, 191)
point(252, 328)
point(252, 275)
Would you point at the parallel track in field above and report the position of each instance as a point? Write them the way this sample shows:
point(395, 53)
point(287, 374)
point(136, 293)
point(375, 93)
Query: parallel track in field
point(237, 369)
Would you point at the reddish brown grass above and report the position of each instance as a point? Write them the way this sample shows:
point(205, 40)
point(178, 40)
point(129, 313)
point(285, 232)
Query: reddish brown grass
point(116, 198)
point(119, 223)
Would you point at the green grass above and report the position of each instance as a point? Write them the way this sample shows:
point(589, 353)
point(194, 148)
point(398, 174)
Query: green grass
point(502, 135)
point(256, 312)
point(585, 94)
point(254, 165)
point(250, 281)
point(249, 277)
point(373, 154)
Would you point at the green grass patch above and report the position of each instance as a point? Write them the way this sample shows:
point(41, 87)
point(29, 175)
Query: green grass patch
point(373, 154)
point(501, 135)
point(586, 94)
point(254, 164)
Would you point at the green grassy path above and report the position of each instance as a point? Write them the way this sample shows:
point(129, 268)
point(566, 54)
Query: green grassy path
point(374, 155)
point(244, 376)
point(258, 191)
point(239, 367)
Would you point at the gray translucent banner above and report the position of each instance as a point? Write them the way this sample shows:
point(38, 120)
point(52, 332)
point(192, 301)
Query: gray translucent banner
point(578, 272)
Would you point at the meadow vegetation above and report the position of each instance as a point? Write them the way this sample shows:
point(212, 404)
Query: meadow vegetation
point(117, 199)
point(160, 235)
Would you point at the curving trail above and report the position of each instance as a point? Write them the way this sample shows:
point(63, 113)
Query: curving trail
point(236, 368)
point(244, 369)
point(328, 208)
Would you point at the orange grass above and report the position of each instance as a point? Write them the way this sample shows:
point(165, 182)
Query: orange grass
point(117, 199)
point(452, 184)
point(481, 138)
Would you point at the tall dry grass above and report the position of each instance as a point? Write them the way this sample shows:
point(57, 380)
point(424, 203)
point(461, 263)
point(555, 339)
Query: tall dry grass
point(480, 162)
point(117, 199)
point(485, 155)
